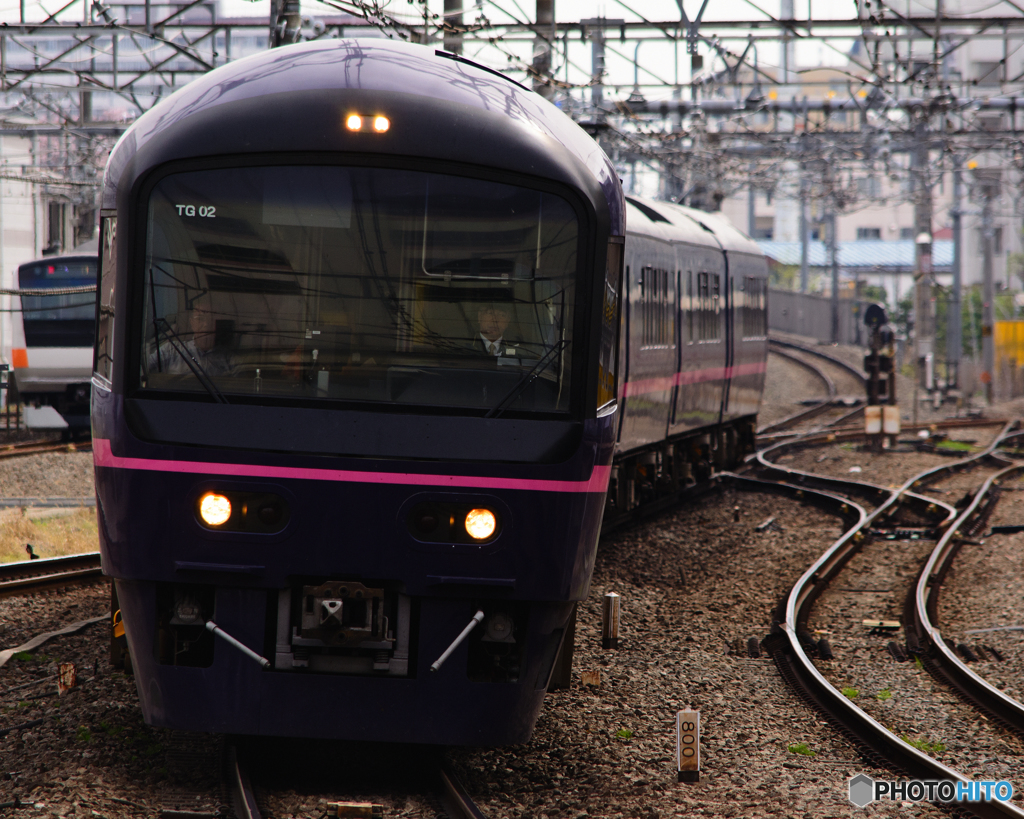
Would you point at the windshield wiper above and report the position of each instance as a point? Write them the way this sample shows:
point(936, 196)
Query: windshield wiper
point(197, 369)
point(526, 380)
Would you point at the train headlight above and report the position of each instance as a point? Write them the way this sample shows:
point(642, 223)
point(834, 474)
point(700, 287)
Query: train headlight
point(354, 122)
point(480, 523)
point(381, 124)
point(214, 509)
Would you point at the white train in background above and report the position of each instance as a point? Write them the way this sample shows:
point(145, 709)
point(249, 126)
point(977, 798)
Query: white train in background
point(52, 340)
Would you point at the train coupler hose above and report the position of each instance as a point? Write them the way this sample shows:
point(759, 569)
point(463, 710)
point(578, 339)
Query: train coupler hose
point(248, 652)
point(465, 633)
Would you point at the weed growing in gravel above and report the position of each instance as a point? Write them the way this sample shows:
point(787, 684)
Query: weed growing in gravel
point(884, 694)
point(924, 745)
point(918, 665)
point(850, 693)
point(68, 534)
point(83, 734)
point(954, 446)
point(624, 733)
point(800, 748)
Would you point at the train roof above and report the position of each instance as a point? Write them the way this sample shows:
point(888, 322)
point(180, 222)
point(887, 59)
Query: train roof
point(645, 217)
point(690, 220)
point(294, 99)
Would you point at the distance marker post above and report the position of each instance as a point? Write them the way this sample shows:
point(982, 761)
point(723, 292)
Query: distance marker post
point(688, 745)
point(610, 621)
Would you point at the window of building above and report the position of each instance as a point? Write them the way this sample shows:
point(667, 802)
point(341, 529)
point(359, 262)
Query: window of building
point(864, 233)
point(764, 227)
point(907, 233)
point(54, 228)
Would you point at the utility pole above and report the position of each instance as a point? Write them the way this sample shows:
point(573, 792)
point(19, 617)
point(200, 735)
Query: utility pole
point(954, 313)
point(805, 231)
point(751, 203)
point(543, 43)
point(595, 27)
point(453, 26)
point(989, 179)
point(285, 22)
point(924, 317)
point(834, 259)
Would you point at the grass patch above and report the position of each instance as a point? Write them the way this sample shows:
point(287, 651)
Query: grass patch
point(624, 733)
point(849, 693)
point(68, 533)
point(83, 734)
point(884, 694)
point(800, 748)
point(924, 746)
point(954, 446)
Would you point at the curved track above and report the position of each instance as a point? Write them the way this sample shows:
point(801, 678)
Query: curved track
point(835, 400)
point(925, 639)
point(788, 643)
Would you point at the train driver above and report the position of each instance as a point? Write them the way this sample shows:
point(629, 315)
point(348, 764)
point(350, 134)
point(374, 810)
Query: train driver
point(197, 340)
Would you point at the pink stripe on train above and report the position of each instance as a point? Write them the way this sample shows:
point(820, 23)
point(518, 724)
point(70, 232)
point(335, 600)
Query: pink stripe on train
point(693, 377)
point(103, 456)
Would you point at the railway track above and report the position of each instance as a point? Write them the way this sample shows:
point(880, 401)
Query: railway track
point(49, 573)
point(435, 783)
point(925, 639)
point(835, 402)
point(39, 447)
point(791, 645)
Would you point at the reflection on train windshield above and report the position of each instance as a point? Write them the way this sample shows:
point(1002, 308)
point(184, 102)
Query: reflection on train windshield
point(360, 284)
point(57, 274)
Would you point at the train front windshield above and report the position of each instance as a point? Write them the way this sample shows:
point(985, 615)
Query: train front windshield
point(360, 284)
point(65, 320)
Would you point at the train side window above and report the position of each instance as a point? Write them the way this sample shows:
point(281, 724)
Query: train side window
point(608, 358)
point(656, 308)
point(755, 315)
point(689, 304)
point(716, 304)
point(103, 354)
point(704, 318)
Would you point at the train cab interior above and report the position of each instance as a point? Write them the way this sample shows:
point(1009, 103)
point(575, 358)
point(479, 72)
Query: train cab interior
point(443, 292)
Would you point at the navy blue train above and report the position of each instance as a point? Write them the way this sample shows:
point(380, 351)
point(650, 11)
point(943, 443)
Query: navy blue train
point(363, 378)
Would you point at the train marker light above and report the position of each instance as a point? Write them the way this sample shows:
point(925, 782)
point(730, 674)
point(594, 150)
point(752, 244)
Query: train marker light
point(381, 124)
point(481, 523)
point(354, 122)
point(214, 509)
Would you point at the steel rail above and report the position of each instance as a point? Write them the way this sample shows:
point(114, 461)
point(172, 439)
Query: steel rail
point(242, 799)
point(48, 572)
point(454, 797)
point(37, 448)
point(888, 499)
point(785, 646)
point(926, 638)
point(812, 411)
point(843, 365)
point(851, 432)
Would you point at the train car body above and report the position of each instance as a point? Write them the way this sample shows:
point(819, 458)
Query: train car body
point(693, 347)
point(53, 336)
point(302, 255)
